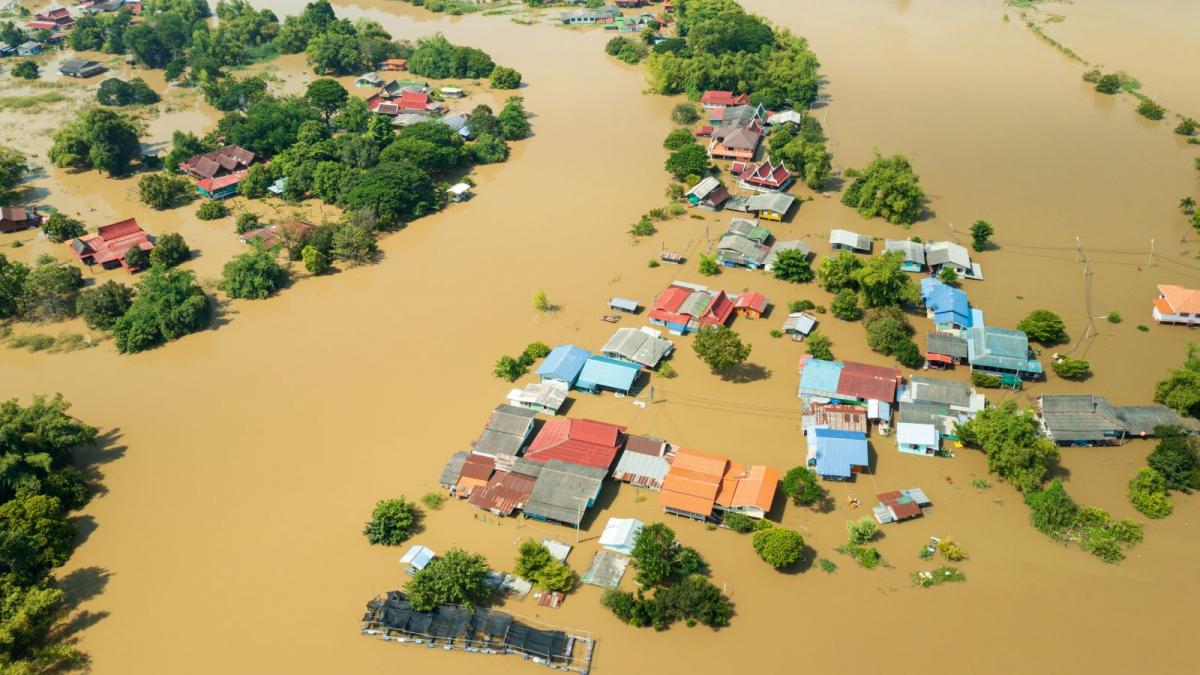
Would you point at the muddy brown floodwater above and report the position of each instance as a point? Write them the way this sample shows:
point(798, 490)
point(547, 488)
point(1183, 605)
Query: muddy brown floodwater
point(248, 456)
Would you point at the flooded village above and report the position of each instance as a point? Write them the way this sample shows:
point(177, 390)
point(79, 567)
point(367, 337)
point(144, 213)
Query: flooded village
point(236, 465)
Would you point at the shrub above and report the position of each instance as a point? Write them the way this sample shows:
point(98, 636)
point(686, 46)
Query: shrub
point(509, 369)
point(1176, 459)
point(800, 305)
point(862, 530)
point(709, 266)
point(316, 261)
point(888, 188)
point(951, 550)
point(540, 302)
point(212, 210)
point(779, 547)
point(1148, 494)
point(60, 227)
point(457, 578)
point(537, 350)
point(392, 521)
point(27, 70)
point(845, 305)
point(685, 113)
point(827, 565)
point(982, 379)
point(246, 221)
point(947, 275)
point(643, 227)
point(678, 139)
point(1108, 84)
point(170, 250)
point(505, 78)
point(1071, 369)
point(738, 522)
point(1113, 317)
point(168, 305)
point(433, 500)
point(665, 370)
point(1187, 127)
point(1151, 110)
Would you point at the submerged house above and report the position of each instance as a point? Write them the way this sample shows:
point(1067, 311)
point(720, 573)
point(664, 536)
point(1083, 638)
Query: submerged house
point(943, 350)
point(108, 246)
point(453, 469)
point(918, 439)
point(946, 305)
point(600, 373)
point(799, 324)
point(738, 115)
point(735, 250)
point(1079, 420)
point(563, 492)
point(722, 99)
point(563, 364)
point(217, 174)
point(410, 102)
point(845, 240)
point(80, 68)
point(735, 142)
point(507, 429)
point(900, 505)
point(750, 230)
point(770, 205)
point(763, 176)
point(643, 462)
point(475, 473)
point(1000, 351)
point(836, 454)
point(708, 194)
point(943, 254)
point(16, 218)
point(546, 396)
point(640, 346)
point(913, 251)
point(620, 534)
point(1142, 420)
point(578, 441)
point(507, 491)
point(590, 17)
point(1177, 305)
point(751, 305)
point(836, 416)
point(686, 308)
point(699, 485)
point(875, 387)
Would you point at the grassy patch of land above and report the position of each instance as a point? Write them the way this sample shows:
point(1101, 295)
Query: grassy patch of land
point(31, 101)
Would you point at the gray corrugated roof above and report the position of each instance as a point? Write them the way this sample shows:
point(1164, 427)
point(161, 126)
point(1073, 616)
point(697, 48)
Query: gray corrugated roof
point(853, 240)
point(944, 343)
point(560, 488)
point(453, 469)
point(923, 412)
point(913, 251)
point(1141, 420)
point(636, 346)
point(1079, 417)
point(642, 469)
point(942, 252)
point(742, 250)
point(779, 202)
point(510, 419)
point(934, 390)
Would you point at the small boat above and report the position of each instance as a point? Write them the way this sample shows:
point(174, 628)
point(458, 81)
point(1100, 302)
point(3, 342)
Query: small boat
point(610, 318)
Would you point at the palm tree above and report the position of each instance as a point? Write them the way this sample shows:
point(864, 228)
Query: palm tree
point(1187, 204)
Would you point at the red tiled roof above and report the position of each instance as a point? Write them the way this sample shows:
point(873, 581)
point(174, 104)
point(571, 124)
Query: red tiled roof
point(479, 467)
point(506, 492)
point(902, 511)
point(578, 441)
point(41, 25)
point(767, 175)
point(111, 242)
point(723, 98)
point(869, 382)
point(413, 100)
point(211, 185)
point(752, 300)
point(212, 164)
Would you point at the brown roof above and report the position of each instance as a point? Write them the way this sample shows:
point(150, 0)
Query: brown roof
point(479, 467)
point(902, 510)
point(644, 445)
point(227, 159)
point(14, 213)
point(505, 492)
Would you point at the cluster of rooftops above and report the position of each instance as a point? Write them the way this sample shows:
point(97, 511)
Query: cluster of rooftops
point(57, 22)
point(555, 472)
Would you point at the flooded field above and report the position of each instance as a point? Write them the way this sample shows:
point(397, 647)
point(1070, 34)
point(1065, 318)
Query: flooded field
point(244, 459)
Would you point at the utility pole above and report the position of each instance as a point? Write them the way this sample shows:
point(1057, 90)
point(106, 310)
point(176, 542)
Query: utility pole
point(1150, 262)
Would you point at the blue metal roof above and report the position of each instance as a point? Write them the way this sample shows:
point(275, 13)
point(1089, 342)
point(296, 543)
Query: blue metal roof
point(820, 376)
point(600, 371)
point(838, 451)
point(563, 363)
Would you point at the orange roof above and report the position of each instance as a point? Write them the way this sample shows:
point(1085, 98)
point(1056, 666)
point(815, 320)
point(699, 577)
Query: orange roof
point(1181, 300)
point(755, 487)
point(693, 481)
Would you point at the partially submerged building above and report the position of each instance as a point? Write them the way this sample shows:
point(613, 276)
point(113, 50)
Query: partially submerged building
point(620, 534)
point(946, 305)
point(781, 246)
point(686, 308)
point(546, 396)
point(1079, 420)
point(900, 505)
point(601, 373)
point(640, 346)
point(563, 364)
point(643, 462)
point(1000, 351)
point(845, 240)
point(507, 429)
point(1177, 305)
point(940, 255)
point(944, 350)
point(799, 325)
point(507, 491)
point(913, 252)
point(700, 486)
point(918, 439)
point(109, 245)
point(751, 305)
point(579, 441)
point(708, 194)
point(16, 218)
point(736, 250)
point(875, 387)
point(564, 491)
point(218, 174)
point(836, 454)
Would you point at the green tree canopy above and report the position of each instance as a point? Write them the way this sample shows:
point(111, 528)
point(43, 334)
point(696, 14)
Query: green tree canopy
point(168, 305)
point(720, 348)
point(1176, 459)
point(170, 250)
point(779, 546)
point(689, 160)
point(436, 57)
point(1013, 443)
point(326, 96)
point(1044, 326)
point(457, 578)
point(392, 522)
point(884, 283)
point(505, 78)
point(792, 265)
point(396, 192)
point(800, 484)
point(13, 168)
point(60, 227)
point(101, 306)
point(840, 271)
point(255, 274)
point(98, 138)
point(887, 188)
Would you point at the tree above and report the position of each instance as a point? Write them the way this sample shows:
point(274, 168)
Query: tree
point(326, 96)
point(689, 160)
point(1044, 326)
point(396, 192)
point(168, 305)
point(738, 522)
point(163, 191)
point(269, 126)
point(887, 188)
point(12, 286)
point(1148, 494)
point(136, 258)
point(392, 522)
point(883, 282)
point(505, 78)
point(488, 149)
point(1180, 391)
point(1109, 84)
point(779, 546)
point(862, 530)
point(102, 305)
point(909, 354)
point(685, 113)
point(801, 486)
point(34, 524)
point(1176, 459)
point(457, 578)
point(840, 271)
point(535, 563)
point(628, 50)
point(98, 138)
point(1187, 205)
point(508, 369)
point(50, 291)
point(720, 348)
point(947, 275)
point(887, 330)
point(12, 169)
point(170, 250)
point(513, 121)
point(1187, 127)
point(60, 227)
point(316, 261)
point(709, 266)
point(693, 599)
point(437, 58)
point(541, 302)
point(845, 305)
point(27, 70)
point(678, 139)
point(185, 145)
point(1052, 510)
point(354, 244)
point(556, 576)
point(1071, 369)
point(819, 346)
point(1012, 441)
point(981, 232)
point(432, 146)
point(652, 554)
point(246, 221)
point(792, 265)
point(254, 275)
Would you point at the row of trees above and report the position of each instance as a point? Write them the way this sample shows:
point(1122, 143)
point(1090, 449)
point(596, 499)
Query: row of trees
point(40, 484)
point(1174, 464)
point(802, 149)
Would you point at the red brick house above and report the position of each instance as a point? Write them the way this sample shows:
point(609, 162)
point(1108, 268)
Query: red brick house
point(108, 246)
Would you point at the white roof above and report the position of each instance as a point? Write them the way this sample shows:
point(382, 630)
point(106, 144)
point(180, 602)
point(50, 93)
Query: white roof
point(913, 251)
point(418, 556)
point(620, 533)
point(559, 550)
point(941, 252)
point(785, 116)
point(800, 322)
point(700, 190)
point(548, 394)
point(910, 433)
point(852, 239)
point(459, 188)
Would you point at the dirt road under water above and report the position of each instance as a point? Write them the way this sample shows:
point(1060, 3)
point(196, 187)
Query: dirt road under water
point(243, 460)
